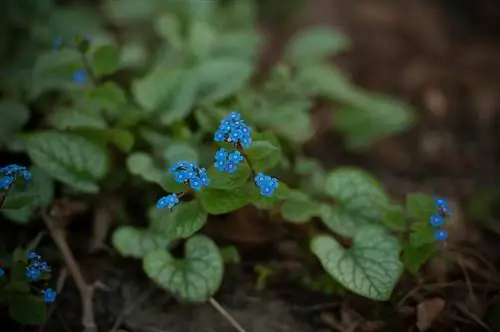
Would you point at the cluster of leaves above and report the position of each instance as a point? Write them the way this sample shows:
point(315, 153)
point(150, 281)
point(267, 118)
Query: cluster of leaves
point(145, 103)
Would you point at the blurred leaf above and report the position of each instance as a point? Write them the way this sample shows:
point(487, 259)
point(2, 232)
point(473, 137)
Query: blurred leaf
point(181, 102)
point(168, 27)
point(394, 217)
point(74, 118)
point(359, 200)
point(199, 273)
point(108, 96)
point(422, 234)
point(414, 257)
point(263, 155)
point(134, 242)
point(184, 221)
point(420, 207)
point(27, 309)
point(168, 183)
point(230, 254)
point(371, 267)
point(299, 209)
point(315, 44)
point(122, 139)
point(228, 181)
point(142, 164)
point(180, 151)
point(54, 70)
point(482, 204)
point(133, 54)
point(201, 39)
point(327, 81)
point(76, 20)
point(68, 158)
point(105, 60)
point(127, 12)
point(19, 201)
point(14, 116)
point(217, 201)
point(373, 119)
point(219, 78)
point(40, 184)
point(243, 45)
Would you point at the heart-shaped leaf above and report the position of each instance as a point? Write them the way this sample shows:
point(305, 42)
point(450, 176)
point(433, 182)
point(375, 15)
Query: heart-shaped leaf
point(27, 309)
point(370, 268)
point(263, 155)
point(134, 242)
point(185, 220)
point(217, 201)
point(195, 278)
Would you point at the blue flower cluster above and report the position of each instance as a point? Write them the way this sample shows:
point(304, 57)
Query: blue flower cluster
point(437, 219)
point(168, 201)
point(2, 272)
point(227, 162)
point(267, 184)
point(188, 173)
point(234, 130)
point(36, 267)
point(10, 173)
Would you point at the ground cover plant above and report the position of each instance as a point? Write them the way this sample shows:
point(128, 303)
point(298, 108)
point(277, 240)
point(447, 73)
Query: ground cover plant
point(157, 113)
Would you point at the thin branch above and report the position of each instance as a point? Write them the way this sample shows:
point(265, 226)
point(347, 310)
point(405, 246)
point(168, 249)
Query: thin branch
point(226, 315)
point(86, 291)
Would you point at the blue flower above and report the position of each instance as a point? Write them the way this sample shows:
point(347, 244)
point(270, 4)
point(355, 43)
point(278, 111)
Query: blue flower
point(15, 170)
point(235, 157)
point(32, 255)
point(6, 182)
point(441, 234)
point(168, 201)
point(436, 220)
point(195, 183)
point(57, 43)
point(205, 181)
point(230, 167)
point(2, 272)
point(80, 76)
point(266, 184)
point(220, 165)
point(442, 205)
point(32, 273)
point(221, 154)
point(49, 295)
point(234, 130)
point(180, 177)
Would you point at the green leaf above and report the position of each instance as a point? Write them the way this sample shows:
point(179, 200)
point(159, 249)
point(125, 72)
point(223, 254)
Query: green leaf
point(315, 44)
point(299, 208)
point(219, 78)
point(134, 242)
point(422, 234)
point(159, 85)
point(239, 44)
point(19, 201)
point(108, 95)
point(414, 257)
point(27, 309)
point(217, 201)
point(168, 27)
point(370, 268)
point(180, 151)
point(14, 116)
point(420, 207)
point(105, 60)
point(65, 119)
point(54, 71)
point(68, 158)
point(168, 183)
point(262, 202)
point(228, 181)
point(142, 164)
point(185, 220)
point(230, 254)
point(122, 139)
point(195, 278)
point(179, 106)
point(372, 118)
point(201, 38)
point(394, 218)
point(18, 287)
point(359, 197)
point(263, 155)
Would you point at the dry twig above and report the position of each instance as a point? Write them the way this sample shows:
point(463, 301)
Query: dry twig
point(55, 223)
point(226, 315)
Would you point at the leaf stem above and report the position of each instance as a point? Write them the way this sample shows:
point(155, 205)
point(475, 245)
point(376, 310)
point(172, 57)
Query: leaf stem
point(226, 315)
